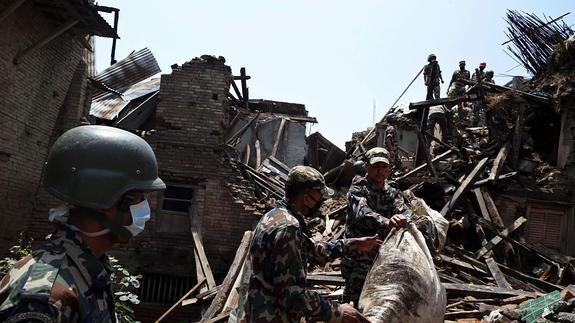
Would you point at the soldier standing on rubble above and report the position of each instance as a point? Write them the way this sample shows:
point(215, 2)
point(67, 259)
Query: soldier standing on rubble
point(456, 87)
point(479, 74)
point(102, 172)
point(489, 77)
point(278, 255)
point(431, 77)
point(374, 207)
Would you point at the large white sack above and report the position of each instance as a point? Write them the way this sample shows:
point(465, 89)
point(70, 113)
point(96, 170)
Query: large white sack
point(403, 285)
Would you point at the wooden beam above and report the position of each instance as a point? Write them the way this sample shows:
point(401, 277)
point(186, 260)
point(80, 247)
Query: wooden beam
point(464, 187)
point(450, 316)
point(235, 87)
point(462, 265)
point(209, 294)
point(247, 153)
point(492, 208)
point(484, 291)
point(279, 137)
point(498, 163)
point(258, 154)
point(425, 149)
point(481, 202)
point(245, 92)
point(441, 101)
point(231, 276)
point(544, 285)
point(500, 177)
point(59, 31)
point(205, 265)
point(10, 9)
point(325, 280)
point(424, 166)
point(166, 313)
point(516, 224)
point(517, 135)
point(242, 129)
point(497, 274)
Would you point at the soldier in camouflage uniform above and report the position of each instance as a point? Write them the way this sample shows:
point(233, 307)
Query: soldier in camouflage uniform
point(279, 253)
point(456, 87)
point(374, 207)
point(479, 74)
point(431, 77)
point(102, 172)
point(489, 77)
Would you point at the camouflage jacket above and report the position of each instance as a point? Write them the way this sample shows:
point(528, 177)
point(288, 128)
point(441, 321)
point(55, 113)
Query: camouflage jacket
point(61, 281)
point(456, 78)
point(432, 74)
point(367, 208)
point(277, 290)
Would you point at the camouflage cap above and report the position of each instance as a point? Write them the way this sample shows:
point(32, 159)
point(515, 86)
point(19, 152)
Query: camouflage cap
point(311, 176)
point(377, 155)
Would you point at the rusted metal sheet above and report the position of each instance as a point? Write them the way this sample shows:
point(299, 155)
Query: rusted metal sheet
point(128, 77)
point(129, 71)
point(110, 105)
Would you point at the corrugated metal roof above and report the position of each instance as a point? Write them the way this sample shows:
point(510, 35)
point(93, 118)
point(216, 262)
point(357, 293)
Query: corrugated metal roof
point(130, 77)
point(110, 105)
point(133, 69)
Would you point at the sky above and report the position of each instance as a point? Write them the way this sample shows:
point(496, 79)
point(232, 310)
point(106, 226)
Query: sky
point(339, 58)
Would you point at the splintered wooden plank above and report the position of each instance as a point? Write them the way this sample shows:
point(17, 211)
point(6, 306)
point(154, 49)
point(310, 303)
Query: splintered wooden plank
point(482, 291)
point(497, 274)
point(205, 265)
point(231, 276)
point(425, 149)
point(481, 202)
point(464, 187)
point(324, 280)
point(498, 163)
point(462, 264)
point(279, 137)
point(200, 272)
point(516, 224)
point(424, 166)
point(166, 313)
point(258, 154)
point(492, 208)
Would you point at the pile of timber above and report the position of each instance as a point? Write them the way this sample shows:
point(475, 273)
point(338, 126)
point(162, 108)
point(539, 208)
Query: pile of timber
point(486, 266)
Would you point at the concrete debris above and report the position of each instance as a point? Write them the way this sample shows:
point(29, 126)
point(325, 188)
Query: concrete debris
point(505, 183)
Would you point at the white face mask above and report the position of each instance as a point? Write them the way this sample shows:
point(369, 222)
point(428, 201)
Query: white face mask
point(140, 215)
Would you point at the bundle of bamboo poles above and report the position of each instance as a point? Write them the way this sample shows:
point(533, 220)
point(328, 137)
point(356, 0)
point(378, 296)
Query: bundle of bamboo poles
point(533, 39)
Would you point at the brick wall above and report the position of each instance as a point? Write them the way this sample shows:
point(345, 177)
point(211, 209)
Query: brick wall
point(32, 95)
point(191, 113)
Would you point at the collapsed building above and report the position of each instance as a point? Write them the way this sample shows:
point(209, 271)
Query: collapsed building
point(506, 187)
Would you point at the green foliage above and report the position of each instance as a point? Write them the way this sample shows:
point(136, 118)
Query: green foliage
point(21, 249)
point(125, 284)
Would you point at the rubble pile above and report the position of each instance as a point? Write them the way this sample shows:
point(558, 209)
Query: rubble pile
point(480, 183)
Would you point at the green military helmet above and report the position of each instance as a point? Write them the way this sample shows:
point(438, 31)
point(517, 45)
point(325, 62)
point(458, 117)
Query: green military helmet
point(93, 166)
point(377, 155)
point(309, 177)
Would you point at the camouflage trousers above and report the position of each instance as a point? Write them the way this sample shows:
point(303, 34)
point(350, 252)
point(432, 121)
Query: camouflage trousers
point(354, 272)
point(432, 92)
